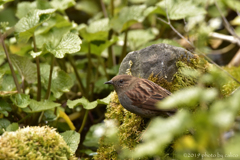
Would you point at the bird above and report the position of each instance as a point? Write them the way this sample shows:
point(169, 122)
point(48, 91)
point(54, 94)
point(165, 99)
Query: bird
point(140, 96)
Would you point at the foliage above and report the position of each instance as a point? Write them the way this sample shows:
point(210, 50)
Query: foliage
point(55, 56)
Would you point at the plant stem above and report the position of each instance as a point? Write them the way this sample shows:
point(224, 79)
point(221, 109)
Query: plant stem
point(104, 67)
point(89, 71)
point(50, 78)
point(84, 121)
point(124, 49)
point(81, 87)
point(2, 37)
point(39, 85)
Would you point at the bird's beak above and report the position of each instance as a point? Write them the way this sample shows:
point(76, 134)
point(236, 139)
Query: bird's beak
point(109, 82)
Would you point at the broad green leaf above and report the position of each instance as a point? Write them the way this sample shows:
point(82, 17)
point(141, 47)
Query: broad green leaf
point(21, 100)
point(97, 30)
point(36, 106)
point(83, 101)
point(25, 67)
point(154, 10)
point(233, 4)
point(61, 81)
point(72, 138)
point(62, 5)
point(12, 127)
point(49, 115)
point(94, 134)
point(105, 100)
point(4, 123)
point(224, 111)
point(23, 8)
point(27, 25)
point(137, 38)
point(195, 96)
point(5, 107)
point(127, 17)
point(69, 43)
point(60, 22)
point(7, 83)
point(160, 133)
point(179, 9)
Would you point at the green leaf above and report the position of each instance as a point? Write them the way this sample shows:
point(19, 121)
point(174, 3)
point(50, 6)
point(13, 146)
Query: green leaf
point(97, 30)
point(25, 67)
point(137, 38)
point(127, 17)
point(179, 9)
point(61, 81)
point(36, 106)
point(94, 134)
point(62, 4)
point(21, 100)
point(4, 123)
point(160, 133)
point(7, 83)
point(27, 25)
point(49, 115)
point(69, 43)
point(12, 127)
point(5, 107)
point(23, 8)
point(83, 101)
point(105, 100)
point(72, 138)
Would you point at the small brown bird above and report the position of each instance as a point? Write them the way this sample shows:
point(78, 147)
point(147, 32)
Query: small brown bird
point(139, 95)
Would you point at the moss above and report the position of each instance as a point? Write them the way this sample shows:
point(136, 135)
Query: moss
point(231, 85)
point(34, 143)
point(180, 80)
point(132, 125)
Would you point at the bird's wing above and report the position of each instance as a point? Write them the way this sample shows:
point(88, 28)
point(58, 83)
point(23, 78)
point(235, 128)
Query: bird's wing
point(146, 95)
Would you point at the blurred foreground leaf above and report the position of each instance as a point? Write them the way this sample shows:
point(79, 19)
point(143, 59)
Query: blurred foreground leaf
point(72, 138)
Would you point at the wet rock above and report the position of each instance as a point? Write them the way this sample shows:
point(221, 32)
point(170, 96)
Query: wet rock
point(159, 59)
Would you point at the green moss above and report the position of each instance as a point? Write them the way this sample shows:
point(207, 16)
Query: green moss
point(231, 85)
point(34, 143)
point(180, 80)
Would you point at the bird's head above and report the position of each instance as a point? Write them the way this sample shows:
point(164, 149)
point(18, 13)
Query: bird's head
point(121, 82)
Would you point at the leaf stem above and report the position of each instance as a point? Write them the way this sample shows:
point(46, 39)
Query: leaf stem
point(81, 87)
point(2, 37)
point(39, 85)
point(84, 121)
point(50, 78)
point(89, 71)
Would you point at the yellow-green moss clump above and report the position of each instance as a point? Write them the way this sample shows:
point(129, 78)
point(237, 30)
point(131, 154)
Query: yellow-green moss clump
point(132, 125)
point(231, 85)
point(34, 143)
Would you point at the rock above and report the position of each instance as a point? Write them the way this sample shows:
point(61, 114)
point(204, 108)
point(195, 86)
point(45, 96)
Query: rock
point(159, 59)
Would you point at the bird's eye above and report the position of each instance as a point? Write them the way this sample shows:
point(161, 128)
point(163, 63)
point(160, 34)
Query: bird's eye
point(121, 81)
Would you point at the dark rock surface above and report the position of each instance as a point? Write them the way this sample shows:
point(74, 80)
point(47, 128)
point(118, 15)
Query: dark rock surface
point(159, 59)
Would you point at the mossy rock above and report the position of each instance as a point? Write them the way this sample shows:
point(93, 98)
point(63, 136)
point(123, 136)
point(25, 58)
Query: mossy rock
point(131, 125)
point(34, 143)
